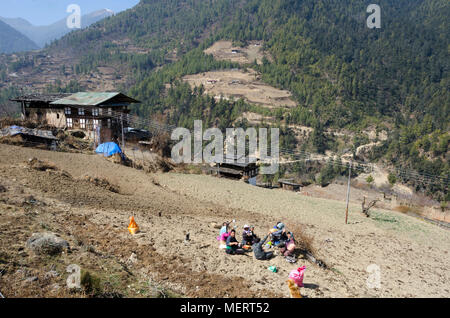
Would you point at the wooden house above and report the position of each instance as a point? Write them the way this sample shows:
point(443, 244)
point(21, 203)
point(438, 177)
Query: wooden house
point(101, 114)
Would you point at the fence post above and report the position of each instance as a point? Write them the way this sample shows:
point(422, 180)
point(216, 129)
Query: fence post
point(348, 190)
point(123, 138)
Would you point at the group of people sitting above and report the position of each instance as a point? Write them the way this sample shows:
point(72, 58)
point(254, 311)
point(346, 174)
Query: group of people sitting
point(278, 237)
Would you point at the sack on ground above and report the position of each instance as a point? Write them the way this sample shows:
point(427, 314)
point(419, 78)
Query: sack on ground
point(297, 275)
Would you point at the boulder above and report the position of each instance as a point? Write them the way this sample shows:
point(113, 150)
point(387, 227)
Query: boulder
point(47, 243)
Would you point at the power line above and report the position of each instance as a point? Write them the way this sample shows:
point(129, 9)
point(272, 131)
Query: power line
point(301, 155)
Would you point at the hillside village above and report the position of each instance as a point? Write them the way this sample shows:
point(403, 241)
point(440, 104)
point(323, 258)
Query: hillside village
point(88, 176)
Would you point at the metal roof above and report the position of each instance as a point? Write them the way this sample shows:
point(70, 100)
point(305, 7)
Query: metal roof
point(288, 182)
point(40, 97)
point(17, 130)
point(94, 99)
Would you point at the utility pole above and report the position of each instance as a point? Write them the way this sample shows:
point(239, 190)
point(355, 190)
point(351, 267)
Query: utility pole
point(348, 190)
point(123, 139)
point(95, 128)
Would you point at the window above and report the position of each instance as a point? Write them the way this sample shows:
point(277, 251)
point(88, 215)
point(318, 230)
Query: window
point(96, 123)
point(67, 111)
point(94, 111)
point(100, 111)
point(89, 124)
point(109, 111)
point(81, 111)
point(109, 123)
point(83, 123)
point(69, 122)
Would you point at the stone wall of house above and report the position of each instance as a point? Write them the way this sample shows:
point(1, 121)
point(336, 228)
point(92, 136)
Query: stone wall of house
point(52, 117)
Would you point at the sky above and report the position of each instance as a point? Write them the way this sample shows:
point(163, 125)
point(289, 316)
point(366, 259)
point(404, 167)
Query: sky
point(44, 12)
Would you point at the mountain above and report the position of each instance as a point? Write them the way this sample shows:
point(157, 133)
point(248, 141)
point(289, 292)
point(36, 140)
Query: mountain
point(43, 35)
point(13, 41)
point(343, 75)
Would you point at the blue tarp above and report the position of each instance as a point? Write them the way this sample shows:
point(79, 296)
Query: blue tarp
point(14, 130)
point(108, 149)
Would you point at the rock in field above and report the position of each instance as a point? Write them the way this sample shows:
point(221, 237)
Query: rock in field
point(47, 243)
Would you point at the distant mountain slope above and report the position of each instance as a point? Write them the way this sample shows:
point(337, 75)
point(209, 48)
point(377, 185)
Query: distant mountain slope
point(43, 35)
point(12, 40)
point(342, 74)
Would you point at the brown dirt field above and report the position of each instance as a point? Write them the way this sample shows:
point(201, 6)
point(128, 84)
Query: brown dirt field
point(401, 245)
point(235, 84)
point(413, 255)
point(223, 50)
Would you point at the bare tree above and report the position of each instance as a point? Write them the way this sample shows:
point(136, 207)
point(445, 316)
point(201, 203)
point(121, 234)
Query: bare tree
point(365, 209)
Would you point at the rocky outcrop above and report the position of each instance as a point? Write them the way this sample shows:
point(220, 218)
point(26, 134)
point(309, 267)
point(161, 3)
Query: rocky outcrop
point(47, 244)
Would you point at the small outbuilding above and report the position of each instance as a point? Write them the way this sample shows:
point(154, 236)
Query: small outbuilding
point(289, 184)
point(236, 168)
point(32, 137)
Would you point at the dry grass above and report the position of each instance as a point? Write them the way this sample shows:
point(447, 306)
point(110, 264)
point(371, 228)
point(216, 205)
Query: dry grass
point(161, 145)
point(8, 121)
point(14, 140)
point(303, 240)
point(15, 285)
point(102, 182)
point(402, 209)
point(39, 165)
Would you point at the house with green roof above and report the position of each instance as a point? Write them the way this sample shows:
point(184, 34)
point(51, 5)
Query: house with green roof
point(102, 115)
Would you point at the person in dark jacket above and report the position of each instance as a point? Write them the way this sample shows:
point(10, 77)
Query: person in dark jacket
point(278, 235)
point(252, 229)
point(233, 244)
point(247, 236)
point(258, 250)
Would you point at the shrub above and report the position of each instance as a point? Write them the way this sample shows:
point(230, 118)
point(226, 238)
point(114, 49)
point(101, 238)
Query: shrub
point(303, 240)
point(90, 283)
point(402, 209)
point(392, 179)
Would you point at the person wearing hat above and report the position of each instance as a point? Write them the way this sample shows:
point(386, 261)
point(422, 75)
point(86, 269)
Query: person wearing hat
point(278, 235)
point(247, 236)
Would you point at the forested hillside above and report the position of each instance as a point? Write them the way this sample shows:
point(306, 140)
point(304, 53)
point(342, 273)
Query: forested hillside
point(342, 74)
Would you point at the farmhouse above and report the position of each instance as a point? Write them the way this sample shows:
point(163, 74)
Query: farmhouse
point(100, 114)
